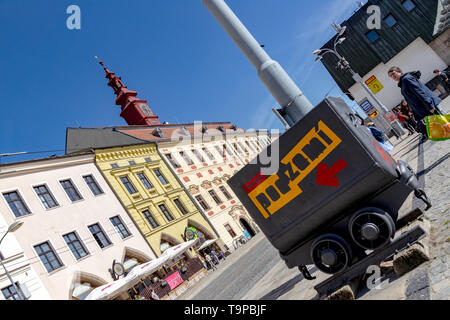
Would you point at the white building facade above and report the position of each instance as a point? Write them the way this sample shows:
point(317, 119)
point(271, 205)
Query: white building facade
point(74, 226)
point(19, 269)
point(417, 56)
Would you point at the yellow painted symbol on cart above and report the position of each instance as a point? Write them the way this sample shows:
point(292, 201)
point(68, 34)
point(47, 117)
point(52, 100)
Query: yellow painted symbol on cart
point(278, 190)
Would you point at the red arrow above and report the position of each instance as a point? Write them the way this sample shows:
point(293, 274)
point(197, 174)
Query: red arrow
point(327, 176)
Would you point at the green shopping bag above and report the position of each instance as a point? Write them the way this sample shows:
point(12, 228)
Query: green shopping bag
point(438, 127)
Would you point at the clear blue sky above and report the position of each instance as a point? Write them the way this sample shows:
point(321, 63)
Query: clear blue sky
point(172, 52)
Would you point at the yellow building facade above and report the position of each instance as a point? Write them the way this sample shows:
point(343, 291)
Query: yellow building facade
point(154, 198)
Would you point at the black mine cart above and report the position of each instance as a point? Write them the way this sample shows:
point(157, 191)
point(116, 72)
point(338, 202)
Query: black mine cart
point(334, 196)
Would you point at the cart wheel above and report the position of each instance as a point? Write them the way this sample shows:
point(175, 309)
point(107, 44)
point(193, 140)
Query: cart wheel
point(371, 228)
point(331, 253)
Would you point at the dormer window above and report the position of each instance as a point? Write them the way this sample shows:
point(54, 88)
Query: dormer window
point(158, 133)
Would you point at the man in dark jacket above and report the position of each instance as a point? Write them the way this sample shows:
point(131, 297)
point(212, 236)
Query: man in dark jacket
point(420, 98)
point(444, 77)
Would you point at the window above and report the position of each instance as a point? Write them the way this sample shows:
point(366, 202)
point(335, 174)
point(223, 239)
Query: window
point(16, 203)
point(128, 185)
point(160, 176)
point(220, 151)
point(75, 245)
point(186, 158)
point(144, 180)
point(180, 206)
point(71, 191)
point(230, 230)
point(237, 148)
point(372, 35)
point(224, 146)
point(132, 162)
point(209, 154)
point(48, 256)
point(249, 146)
point(120, 227)
point(255, 145)
point(198, 155)
point(45, 196)
point(225, 193)
point(165, 212)
point(114, 165)
point(1, 256)
point(150, 219)
point(93, 185)
point(99, 236)
point(215, 196)
point(390, 20)
point(10, 292)
point(408, 5)
point(202, 202)
point(172, 161)
point(242, 146)
point(148, 160)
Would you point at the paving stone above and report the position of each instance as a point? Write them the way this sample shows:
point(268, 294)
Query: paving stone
point(443, 295)
point(437, 278)
point(439, 268)
point(441, 286)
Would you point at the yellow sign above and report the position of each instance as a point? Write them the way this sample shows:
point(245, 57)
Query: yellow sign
point(373, 115)
point(278, 190)
point(374, 84)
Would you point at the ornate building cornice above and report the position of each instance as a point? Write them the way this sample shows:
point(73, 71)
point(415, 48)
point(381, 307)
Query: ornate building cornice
point(113, 154)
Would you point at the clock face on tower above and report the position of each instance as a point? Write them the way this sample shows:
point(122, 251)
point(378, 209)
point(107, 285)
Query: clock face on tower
point(146, 110)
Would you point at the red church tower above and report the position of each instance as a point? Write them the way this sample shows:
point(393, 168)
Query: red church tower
point(135, 111)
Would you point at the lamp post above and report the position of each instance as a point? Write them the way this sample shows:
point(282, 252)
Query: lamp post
point(344, 65)
point(13, 227)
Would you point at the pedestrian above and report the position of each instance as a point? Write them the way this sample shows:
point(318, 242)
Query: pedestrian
point(211, 263)
point(153, 295)
point(379, 136)
point(444, 77)
point(402, 120)
point(404, 112)
point(203, 262)
point(422, 101)
point(222, 255)
point(214, 256)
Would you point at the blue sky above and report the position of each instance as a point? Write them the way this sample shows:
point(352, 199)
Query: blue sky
point(172, 52)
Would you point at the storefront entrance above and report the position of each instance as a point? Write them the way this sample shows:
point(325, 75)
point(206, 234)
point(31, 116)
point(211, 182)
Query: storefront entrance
point(247, 228)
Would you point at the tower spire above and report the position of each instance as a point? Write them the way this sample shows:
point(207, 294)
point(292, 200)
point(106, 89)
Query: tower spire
point(134, 110)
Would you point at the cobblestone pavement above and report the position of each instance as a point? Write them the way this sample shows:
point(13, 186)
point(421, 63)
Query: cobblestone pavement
point(432, 164)
point(223, 282)
point(257, 272)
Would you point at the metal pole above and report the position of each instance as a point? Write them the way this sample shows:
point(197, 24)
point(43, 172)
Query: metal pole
point(19, 292)
point(274, 77)
point(382, 109)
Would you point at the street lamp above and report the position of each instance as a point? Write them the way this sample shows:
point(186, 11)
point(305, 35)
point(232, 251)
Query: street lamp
point(12, 228)
point(344, 65)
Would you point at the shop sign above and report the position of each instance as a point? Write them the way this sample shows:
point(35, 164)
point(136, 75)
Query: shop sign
point(374, 84)
point(174, 280)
